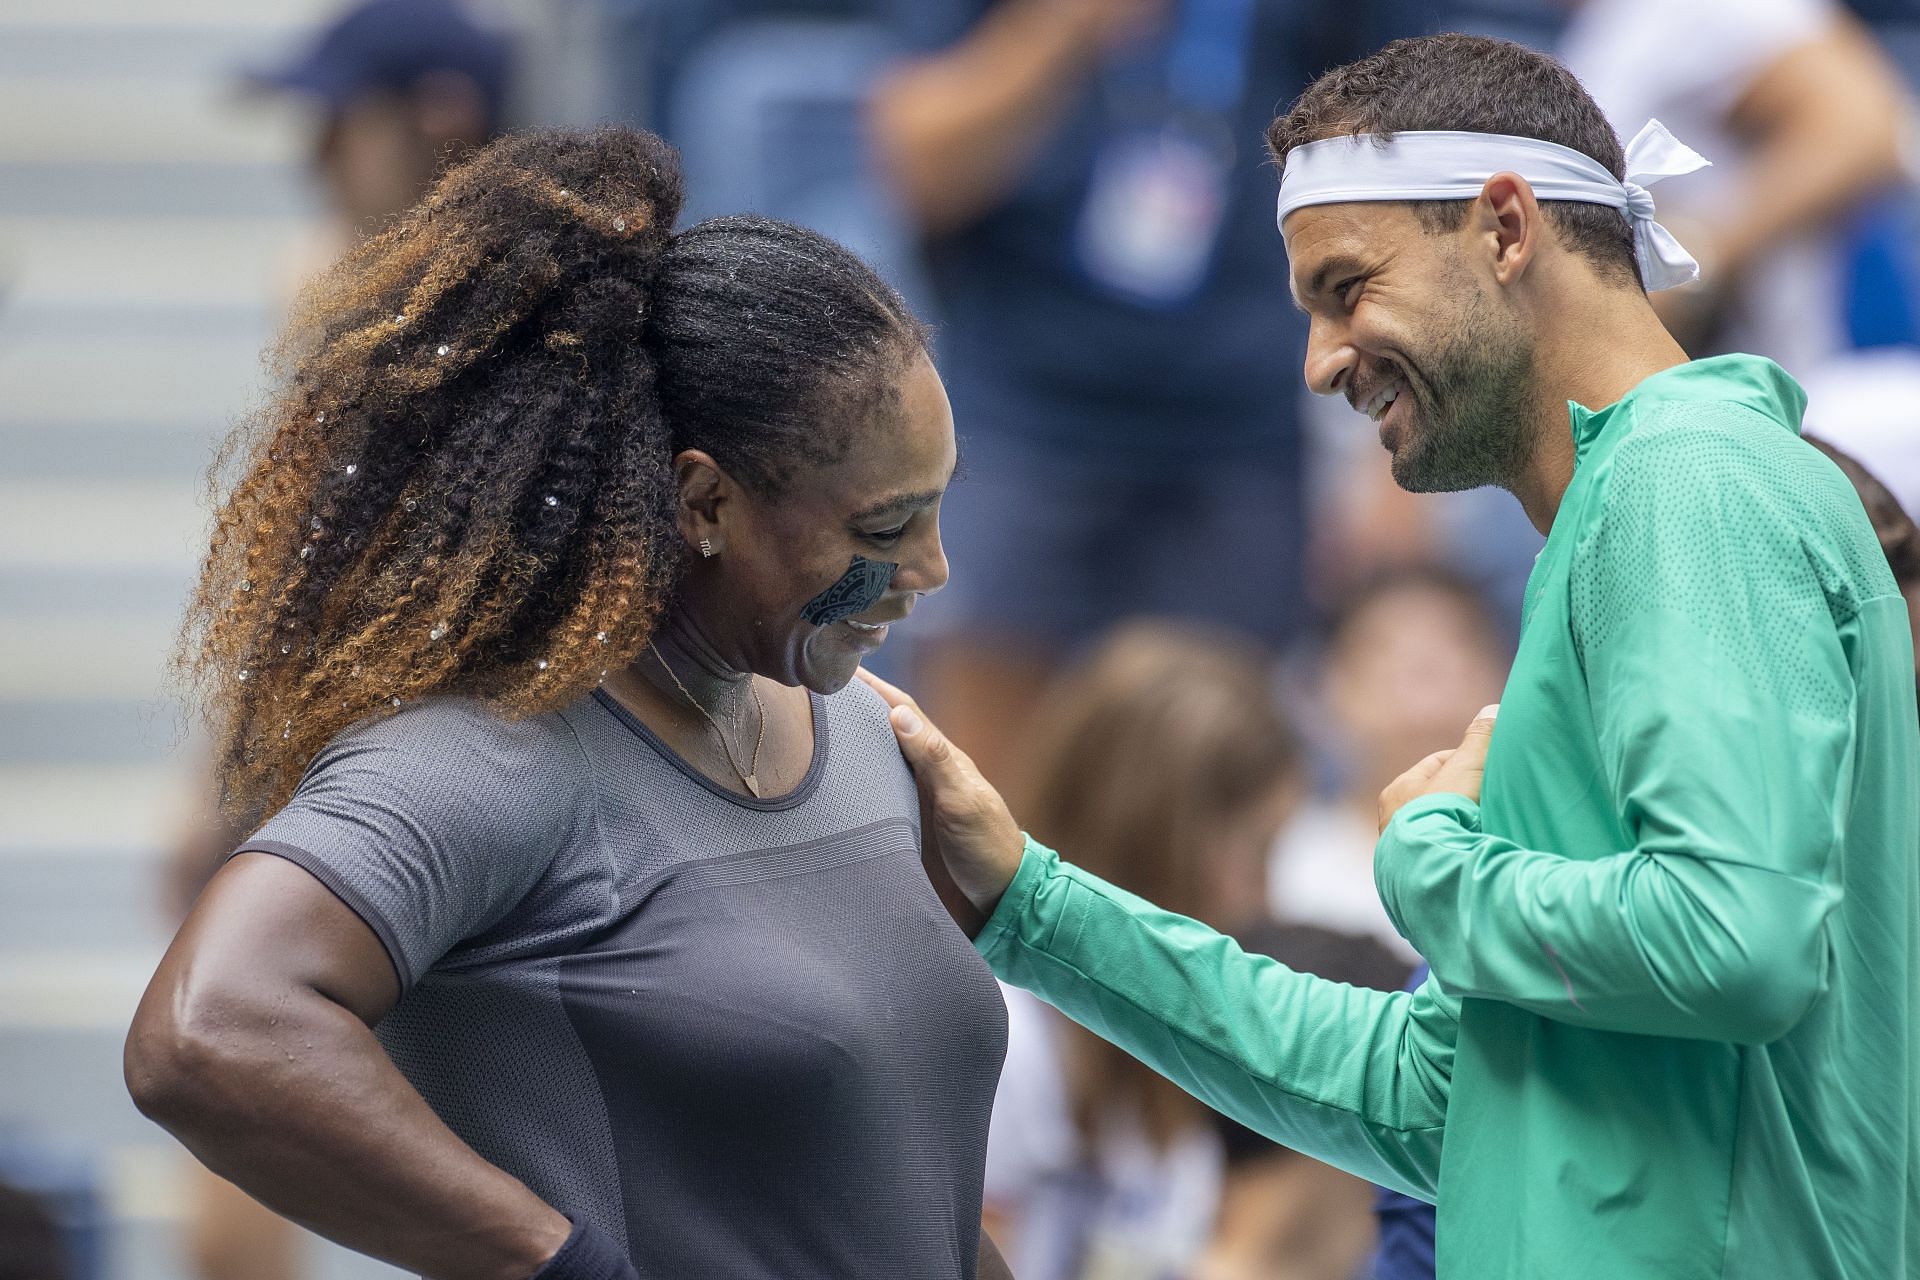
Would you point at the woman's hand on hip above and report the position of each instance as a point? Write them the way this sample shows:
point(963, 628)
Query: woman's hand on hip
point(966, 821)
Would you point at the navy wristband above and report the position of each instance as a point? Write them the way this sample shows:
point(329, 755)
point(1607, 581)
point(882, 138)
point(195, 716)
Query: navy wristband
point(587, 1255)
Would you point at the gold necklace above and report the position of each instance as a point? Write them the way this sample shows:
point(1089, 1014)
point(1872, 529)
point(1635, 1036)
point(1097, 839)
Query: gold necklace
point(750, 776)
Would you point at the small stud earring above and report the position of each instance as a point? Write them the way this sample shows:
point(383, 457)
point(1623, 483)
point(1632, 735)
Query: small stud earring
point(706, 549)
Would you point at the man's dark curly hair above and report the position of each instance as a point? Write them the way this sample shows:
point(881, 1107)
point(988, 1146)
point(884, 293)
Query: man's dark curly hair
point(464, 483)
point(1479, 85)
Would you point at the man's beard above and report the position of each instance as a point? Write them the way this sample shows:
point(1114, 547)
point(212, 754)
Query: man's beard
point(1472, 423)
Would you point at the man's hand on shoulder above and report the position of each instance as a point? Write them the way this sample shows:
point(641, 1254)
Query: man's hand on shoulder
point(963, 817)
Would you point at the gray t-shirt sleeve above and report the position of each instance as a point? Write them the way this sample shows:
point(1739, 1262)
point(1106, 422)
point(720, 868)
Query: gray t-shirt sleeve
point(434, 823)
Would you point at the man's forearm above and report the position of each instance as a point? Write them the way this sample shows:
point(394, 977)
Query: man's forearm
point(1356, 1078)
point(1653, 941)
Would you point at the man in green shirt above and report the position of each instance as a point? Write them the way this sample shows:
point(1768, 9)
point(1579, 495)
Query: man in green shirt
point(1674, 927)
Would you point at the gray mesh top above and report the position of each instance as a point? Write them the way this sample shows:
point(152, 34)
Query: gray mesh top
point(741, 1035)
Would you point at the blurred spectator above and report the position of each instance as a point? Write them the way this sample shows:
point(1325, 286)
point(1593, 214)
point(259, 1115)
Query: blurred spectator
point(1117, 335)
point(30, 1246)
point(52, 1180)
point(1534, 23)
point(1803, 118)
point(1897, 25)
point(1411, 655)
point(399, 89)
point(1165, 757)
point(766, 101)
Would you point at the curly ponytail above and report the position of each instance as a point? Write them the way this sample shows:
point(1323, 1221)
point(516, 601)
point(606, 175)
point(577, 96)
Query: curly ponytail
point(464, 483)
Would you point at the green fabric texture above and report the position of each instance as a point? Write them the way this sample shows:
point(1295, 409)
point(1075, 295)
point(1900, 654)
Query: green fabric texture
point(1671, 1026)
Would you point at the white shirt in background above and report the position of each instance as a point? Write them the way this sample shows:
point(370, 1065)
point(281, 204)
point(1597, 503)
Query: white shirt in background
point(1868, 403)
point(1321, 872)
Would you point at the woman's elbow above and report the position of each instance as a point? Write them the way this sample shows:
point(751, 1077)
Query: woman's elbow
point(159, 1063)
point(169, 1063)
point(182, 1065)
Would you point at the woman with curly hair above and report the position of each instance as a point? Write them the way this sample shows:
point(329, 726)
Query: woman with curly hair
point(584, 931)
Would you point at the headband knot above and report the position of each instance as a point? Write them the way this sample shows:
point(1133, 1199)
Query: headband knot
point(1639, 200)
point(1653, 155)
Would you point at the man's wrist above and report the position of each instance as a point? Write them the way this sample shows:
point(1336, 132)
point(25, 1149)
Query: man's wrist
point(1459, 808)
point(1004, 916)
point(1010, 866)
point(1409, 841)
point(1462, 808)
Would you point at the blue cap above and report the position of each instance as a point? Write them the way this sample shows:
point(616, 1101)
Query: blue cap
point(391, 44)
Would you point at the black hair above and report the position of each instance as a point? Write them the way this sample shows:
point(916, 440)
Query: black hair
point(768, 339)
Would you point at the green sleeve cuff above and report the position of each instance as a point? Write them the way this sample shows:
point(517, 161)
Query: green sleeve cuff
point(1451, 803)
point(1410, 839)
point(1035, 863)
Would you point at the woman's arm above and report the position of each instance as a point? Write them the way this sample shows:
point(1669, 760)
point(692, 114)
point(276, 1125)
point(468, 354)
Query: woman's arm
point(253, 1046)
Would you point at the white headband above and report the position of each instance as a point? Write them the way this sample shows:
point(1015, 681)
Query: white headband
point(1448, 165)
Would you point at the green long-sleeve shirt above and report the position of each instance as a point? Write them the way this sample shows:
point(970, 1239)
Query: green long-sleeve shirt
point(1671, 1029)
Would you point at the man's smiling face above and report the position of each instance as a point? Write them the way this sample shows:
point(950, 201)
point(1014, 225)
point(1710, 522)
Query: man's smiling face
point(1404, 327)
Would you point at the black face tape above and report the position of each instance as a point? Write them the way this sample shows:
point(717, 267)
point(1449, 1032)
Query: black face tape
point(858, 590)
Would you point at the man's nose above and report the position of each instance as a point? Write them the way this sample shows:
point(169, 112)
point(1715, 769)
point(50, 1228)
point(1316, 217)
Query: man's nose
point(1331, 359)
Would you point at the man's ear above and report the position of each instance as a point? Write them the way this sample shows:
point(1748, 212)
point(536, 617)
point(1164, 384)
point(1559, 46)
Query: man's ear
point(709, 498)
point(1506, 218)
